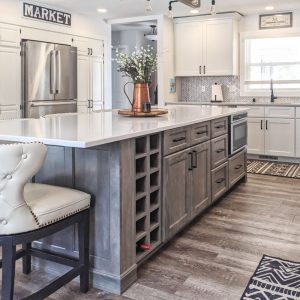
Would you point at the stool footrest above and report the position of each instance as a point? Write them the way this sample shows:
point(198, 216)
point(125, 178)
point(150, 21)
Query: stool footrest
point(57, 258)
point(56, 284)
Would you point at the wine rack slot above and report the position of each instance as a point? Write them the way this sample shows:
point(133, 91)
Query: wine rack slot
point(148, 195)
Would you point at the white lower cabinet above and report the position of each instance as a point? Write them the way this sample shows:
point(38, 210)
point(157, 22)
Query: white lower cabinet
point(256, 136)
point(298, 136)
point(280, 137)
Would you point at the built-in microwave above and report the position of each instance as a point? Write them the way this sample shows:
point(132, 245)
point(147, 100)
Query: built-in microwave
point(238, 132)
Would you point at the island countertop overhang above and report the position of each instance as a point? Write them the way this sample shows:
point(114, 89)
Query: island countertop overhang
point(86, 130)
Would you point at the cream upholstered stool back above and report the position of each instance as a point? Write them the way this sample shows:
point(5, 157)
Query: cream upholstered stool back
point(18, 164)
point(31, 211)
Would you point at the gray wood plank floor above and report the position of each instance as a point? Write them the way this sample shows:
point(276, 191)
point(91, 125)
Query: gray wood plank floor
point(215, 257)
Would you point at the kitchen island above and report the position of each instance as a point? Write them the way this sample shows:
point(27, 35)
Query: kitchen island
point(148, 179)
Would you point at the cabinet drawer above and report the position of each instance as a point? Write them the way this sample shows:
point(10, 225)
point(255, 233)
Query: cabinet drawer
point(176, 140)
point(219, 181)
point(219, 127)
point(256, 112)
point(200, 133)
point(219, 151)
point(280, 112)
point(237, 167)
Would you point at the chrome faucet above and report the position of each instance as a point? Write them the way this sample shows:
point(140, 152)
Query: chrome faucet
point(273, 97)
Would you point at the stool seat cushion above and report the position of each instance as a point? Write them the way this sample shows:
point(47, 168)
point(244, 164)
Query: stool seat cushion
point(49, 204)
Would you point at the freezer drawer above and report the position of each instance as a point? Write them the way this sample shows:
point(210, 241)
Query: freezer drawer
point(39, 109)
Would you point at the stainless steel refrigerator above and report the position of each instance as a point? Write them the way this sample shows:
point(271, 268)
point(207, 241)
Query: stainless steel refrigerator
point(49, 77)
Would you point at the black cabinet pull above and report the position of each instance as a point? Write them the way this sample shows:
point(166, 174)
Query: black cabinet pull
point(201, 132)
point(220, 180)
point(200, 69)
point(220, 150)
point(266, 124)
point(179, 140)
point(220, 126)
point(190, 161)
point(195, 160)
point(238, 167)
point(204, 69)
point(261, 124)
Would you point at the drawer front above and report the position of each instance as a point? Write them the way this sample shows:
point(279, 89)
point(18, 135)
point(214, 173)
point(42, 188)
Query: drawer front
point(219, 181)
point(200, 133)
point(219, 151)
point(176, 140)
point(280, 112)
point(237, 167)
point(256, 112)
point(219, 127)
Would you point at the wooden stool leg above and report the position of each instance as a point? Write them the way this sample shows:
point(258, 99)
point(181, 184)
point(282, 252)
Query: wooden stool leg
point(8, 270)
point(26, 259)
point(83, 238)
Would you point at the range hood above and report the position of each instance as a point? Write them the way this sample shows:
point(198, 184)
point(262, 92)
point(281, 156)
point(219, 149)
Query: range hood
point(191, 3)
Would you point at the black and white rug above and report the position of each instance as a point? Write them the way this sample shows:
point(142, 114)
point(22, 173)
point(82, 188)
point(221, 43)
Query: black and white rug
point(291, 170)
point(274, 279)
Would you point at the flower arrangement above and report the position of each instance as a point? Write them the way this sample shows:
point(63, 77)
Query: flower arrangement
point(139, 65)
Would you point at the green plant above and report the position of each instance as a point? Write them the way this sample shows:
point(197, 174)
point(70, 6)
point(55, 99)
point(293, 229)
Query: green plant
point(139, 65)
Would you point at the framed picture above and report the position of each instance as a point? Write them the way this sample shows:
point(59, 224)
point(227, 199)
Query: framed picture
point(272, 21)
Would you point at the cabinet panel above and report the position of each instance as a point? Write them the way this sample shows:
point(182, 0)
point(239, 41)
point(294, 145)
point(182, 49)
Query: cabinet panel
point(9, 114)
point(10, 77)
point(219, 151)
point(298, 112)
point(219, 127)
point(9, 35)
point(176, 192)
point(96, 80)
point(237, 167)
point(298, 137)
point(188, 48)
point(280, 137)
point(280, 112)
point(83, 78)
point(256, 136)
point(255, 112)
point(218, 47)
point(200, 133)
point(200, 185)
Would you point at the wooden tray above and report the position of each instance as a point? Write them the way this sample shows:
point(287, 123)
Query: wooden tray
point(155, 112)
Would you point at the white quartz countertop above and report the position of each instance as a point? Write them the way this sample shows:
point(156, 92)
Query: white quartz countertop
point(249, 104)
point(84, 130)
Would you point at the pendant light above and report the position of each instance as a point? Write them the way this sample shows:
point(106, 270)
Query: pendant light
point(148, 7)
point(152, 35)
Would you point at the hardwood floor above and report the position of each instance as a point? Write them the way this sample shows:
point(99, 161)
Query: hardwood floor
point(215, 257)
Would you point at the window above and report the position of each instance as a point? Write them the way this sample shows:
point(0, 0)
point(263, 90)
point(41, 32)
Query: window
point(272, 58)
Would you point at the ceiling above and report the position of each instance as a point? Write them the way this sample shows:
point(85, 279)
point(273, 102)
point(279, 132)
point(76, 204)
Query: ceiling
point(132, 8)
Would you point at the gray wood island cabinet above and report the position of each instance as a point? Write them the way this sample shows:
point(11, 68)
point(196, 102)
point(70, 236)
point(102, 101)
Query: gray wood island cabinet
point(146, 184)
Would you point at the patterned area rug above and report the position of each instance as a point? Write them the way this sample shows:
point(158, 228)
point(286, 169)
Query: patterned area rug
point(273, 168)
point(274, 279)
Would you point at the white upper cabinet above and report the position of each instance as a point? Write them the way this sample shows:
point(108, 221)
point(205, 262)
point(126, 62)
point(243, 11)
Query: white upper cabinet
point(206, 47)
point(189, 48)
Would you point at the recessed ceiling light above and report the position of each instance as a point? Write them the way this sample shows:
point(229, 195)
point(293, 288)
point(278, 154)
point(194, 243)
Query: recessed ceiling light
point(194, 11)
point(269, 8)
point(102, 10)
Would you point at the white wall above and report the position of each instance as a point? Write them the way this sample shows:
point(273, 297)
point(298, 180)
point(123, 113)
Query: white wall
point(85, 26)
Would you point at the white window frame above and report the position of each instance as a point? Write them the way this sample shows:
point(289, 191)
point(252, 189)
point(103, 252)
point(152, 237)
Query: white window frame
point(244, 92)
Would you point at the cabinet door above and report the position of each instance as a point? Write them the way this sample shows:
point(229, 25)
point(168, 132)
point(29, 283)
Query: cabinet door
point(218, 48)
point(82, 45)
point(10, 77)
point(83, 78)
point(9, 35)
point(201, 180)
point(280, 137)
point(176, 192)
point(256, 136)
point(96, 81)
point(188, 48)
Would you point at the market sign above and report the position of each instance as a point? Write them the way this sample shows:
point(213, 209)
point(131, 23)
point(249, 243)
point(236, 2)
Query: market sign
point(46, 14)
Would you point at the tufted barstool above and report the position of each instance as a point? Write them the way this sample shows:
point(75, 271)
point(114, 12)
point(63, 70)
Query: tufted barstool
point(30, 211)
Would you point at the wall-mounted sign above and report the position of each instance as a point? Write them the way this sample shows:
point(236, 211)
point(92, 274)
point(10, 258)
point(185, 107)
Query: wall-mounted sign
point(273, 21)
point(46, 14)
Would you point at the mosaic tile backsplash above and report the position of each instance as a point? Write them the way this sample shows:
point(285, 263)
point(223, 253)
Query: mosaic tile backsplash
point(198, 89)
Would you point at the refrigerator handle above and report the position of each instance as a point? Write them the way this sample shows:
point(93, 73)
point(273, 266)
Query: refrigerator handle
point(58, 72)
point(52, 72)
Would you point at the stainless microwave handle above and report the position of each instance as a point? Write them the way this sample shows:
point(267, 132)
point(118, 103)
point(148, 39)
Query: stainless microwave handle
point(58, 71)
point(52, 72)
point(52, 103)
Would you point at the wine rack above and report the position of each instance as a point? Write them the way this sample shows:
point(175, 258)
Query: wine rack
point(147, 194)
